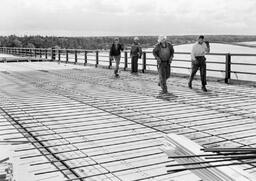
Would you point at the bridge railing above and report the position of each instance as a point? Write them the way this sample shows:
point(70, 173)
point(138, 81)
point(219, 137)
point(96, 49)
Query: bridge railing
point(225, 66)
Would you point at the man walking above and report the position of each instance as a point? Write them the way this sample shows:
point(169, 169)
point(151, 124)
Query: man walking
point(163, 52)
point(135, 54)
point(200, 48)
point(115, 53)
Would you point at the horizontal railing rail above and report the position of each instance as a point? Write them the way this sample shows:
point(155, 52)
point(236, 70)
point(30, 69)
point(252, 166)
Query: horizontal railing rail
point(101, 58)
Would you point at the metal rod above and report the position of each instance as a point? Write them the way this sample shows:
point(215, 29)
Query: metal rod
point(206, 162)
point(211, 166)
point(207, 155)
point(115, 171)
point(79, 136)
point(229, 149)
point(113, 152)
point(48, 150)
point(4, 160)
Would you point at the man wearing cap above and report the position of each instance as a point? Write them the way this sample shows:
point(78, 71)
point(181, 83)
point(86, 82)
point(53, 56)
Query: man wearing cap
point(200, 48)
point(115, 53)
point(135, 54)
point(163, 52)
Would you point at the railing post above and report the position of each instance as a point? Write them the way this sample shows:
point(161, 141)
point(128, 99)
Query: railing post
point(30, 52)
point(35, 52)
point(75, 56)
point(46, 53)
point(97, 58)
point(66, 56)
point(85, 58)
point(125, 60)
point(228, 68)
point(59, 53)
point(144, 63)
point(53, 54)
point(40, 53)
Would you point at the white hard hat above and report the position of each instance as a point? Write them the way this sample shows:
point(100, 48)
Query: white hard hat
point(161, 38)
point(136, 38)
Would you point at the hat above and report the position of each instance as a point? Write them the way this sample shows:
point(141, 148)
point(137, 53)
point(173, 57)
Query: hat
point(161, 38)
point(136, 38)
point(201, 37)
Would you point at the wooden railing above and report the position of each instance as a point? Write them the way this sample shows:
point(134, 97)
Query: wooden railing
point(100, 58)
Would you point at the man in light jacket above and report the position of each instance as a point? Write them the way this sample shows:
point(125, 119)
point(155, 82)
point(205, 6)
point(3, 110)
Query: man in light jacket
point(200, 48)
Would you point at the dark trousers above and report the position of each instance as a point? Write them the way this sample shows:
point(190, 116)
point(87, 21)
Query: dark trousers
point(134, 64)
point(200, 62)
point(117, 59)
point(53, 55)
point(164, 71)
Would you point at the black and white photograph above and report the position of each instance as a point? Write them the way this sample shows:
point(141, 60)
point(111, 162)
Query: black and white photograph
point(127, 90)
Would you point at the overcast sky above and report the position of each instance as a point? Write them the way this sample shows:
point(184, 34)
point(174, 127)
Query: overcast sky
point(127, 17)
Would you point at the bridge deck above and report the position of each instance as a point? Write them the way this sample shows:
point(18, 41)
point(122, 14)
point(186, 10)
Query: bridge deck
point(94, 126)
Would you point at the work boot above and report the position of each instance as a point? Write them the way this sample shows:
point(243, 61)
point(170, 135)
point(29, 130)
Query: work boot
point(116, 73)
point(190, 85)
point(204, 89)
point(164, 90)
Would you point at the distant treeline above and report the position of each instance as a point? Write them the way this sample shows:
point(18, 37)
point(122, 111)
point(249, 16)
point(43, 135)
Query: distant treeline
point(104, 42)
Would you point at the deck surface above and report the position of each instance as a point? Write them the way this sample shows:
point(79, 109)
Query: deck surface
point(111, 127)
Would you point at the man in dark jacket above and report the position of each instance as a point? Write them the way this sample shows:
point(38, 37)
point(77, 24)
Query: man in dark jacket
point(115, 53)
point(135, 54)
point(163, 52)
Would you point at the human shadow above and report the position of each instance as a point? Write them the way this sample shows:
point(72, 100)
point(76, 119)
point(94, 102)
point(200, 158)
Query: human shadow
point(166, 96)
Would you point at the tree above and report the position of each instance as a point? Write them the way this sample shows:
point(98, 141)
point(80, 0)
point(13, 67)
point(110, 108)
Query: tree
point(30, 45)
point(16, 43)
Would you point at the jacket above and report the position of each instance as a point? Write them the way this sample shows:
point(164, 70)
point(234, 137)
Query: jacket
point(157, 49)
point(114, 51)
point(136, 50)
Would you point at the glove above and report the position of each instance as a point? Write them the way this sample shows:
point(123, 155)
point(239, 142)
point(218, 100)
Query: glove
point(170, 60)
point(158, 60)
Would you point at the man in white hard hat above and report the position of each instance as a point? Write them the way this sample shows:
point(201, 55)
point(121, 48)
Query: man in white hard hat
point(163, 52)
point(135, 54)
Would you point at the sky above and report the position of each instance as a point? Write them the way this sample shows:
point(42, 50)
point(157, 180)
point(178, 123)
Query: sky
point(127, 17)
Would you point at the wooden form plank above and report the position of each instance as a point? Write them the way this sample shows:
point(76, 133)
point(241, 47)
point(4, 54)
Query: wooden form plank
point(180, 145)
